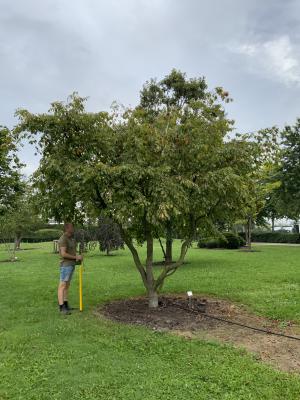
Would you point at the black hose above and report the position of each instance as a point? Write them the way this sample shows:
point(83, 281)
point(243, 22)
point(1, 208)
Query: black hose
point(239, 324)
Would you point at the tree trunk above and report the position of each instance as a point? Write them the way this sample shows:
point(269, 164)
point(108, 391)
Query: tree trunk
point(153, 286)
point(169, 243)
point(152, 299)
point(81, 247)
point(248, 229)
point(17, 243)
point(152, 292)
point(273, 223)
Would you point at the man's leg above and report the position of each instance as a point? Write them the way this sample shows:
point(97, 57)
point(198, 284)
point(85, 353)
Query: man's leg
point(66, 273)
point(63, 305)
point(66, 291)
point(61, 292)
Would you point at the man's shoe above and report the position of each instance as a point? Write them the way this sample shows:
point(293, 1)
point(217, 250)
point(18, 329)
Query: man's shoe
point(64, 310)
point(69, 308)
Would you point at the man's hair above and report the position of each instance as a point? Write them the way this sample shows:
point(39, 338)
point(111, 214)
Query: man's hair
point(67, 225)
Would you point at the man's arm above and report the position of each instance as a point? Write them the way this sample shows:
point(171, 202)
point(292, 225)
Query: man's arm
point(64, 254)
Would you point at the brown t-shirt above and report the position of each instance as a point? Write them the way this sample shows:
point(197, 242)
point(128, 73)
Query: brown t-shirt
point(70, 244)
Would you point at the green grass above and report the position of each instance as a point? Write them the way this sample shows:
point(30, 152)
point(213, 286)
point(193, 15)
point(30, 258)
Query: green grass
point(46, 356)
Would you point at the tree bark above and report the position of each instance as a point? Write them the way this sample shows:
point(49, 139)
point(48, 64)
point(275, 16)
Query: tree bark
point(153, 299)
point(152, 292)
point(153, 286)
point(248, 229)
point(171, 269)
point(128, 241)
point(17, 243)
point(162, 247)
point(169, 243)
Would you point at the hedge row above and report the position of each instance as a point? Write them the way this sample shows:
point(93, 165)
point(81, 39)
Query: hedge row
point(42, 235)
point(274, 237)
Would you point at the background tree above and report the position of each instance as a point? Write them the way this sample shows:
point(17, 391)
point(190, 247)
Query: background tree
point(140, 172)
point(108, 235)
point(26, 216)
point(273, 208)
point(18, 221)
point(289, 172)
point(103, 231)
point(11, 185)
point(263, 181)
point(7, 235)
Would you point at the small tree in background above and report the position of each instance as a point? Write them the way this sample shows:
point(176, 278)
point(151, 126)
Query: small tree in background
point(7, 235)
point(11, 185)
point(26, 217)
point(262, 179)
point(108, 235)
point(289, 172)
point(20, 220)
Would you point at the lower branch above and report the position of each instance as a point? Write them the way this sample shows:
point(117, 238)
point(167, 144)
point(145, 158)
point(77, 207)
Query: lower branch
point(128, 241)
point(170, 269)
point(162, 247)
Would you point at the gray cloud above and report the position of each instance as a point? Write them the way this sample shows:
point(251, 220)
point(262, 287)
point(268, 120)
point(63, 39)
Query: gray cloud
point(108, 49)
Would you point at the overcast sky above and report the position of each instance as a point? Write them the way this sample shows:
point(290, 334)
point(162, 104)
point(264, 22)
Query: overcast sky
point(107, 49)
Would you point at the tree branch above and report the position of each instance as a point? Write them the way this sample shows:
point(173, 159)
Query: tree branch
point(170, 269)
point(161, 245)
point(128, 240)
point(99, 198)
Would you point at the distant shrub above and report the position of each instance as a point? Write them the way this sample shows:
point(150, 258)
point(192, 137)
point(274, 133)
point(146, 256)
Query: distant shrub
point(229, 240)
point(233, 241)
point(42, 235)
point(48, 231)
point(214, 243)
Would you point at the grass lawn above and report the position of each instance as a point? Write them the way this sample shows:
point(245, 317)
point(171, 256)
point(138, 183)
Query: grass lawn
point(46, 356)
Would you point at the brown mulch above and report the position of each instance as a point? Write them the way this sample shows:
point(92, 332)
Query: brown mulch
point(174, 315)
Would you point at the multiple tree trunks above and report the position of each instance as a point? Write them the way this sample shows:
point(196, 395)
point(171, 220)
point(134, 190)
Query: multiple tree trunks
point(168, 159)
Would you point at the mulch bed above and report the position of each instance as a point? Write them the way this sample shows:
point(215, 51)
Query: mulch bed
point(174, 315)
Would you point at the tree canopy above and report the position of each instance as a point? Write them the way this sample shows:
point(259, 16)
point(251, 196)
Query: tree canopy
point(142, 171)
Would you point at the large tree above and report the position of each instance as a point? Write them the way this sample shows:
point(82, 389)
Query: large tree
point(140, 173)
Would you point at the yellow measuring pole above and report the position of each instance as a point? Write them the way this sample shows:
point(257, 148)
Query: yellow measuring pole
point(80, 286)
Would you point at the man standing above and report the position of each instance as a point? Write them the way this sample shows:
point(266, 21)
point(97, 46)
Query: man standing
point(68, 259)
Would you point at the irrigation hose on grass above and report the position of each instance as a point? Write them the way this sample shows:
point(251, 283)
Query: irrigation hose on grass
point(239, 324)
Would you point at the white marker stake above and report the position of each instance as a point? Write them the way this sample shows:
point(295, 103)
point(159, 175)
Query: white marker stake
point(190, 297)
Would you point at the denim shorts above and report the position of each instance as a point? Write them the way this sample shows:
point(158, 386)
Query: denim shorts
point(66, 272)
